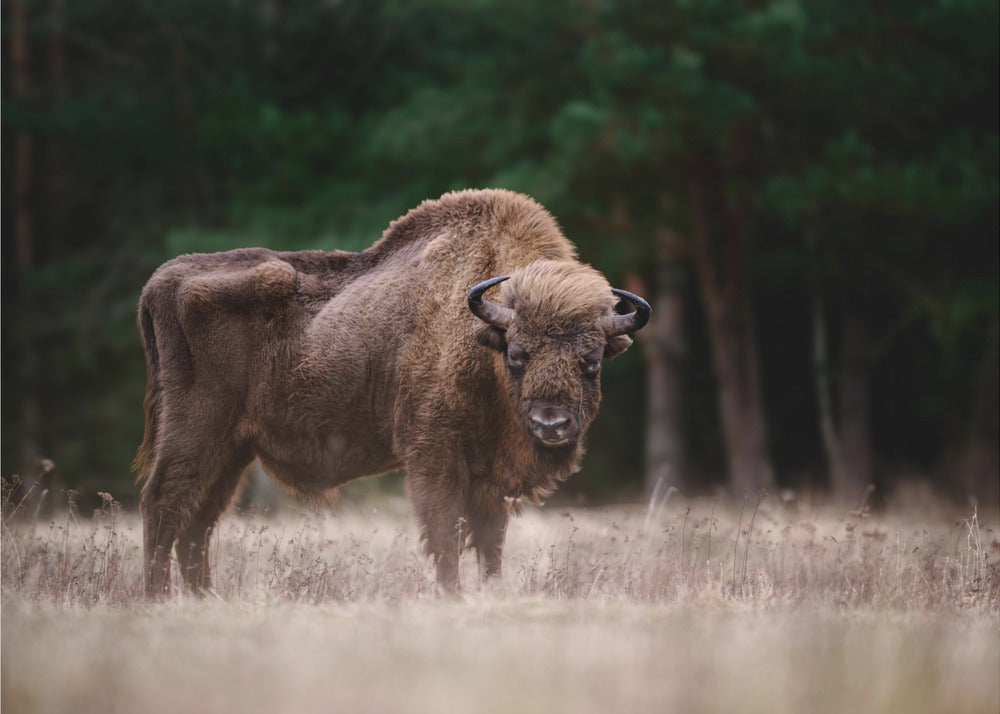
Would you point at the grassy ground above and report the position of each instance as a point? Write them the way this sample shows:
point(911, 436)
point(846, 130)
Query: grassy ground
point(685, 606)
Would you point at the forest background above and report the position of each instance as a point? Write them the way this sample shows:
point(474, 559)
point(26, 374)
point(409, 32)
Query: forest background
point(806, 192)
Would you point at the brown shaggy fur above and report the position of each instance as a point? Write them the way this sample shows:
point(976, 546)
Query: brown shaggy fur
point(332, 366)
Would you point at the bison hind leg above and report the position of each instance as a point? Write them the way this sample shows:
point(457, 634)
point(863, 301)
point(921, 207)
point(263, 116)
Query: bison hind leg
point(167, 499)
point(180, 503)
point(193, 539)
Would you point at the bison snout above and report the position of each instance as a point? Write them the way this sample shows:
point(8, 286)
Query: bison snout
point(553, 426)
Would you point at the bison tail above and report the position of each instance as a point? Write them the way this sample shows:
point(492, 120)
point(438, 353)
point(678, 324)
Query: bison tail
point(151, 402)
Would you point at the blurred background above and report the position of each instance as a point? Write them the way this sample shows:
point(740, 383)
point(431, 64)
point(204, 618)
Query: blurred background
point(806, 192)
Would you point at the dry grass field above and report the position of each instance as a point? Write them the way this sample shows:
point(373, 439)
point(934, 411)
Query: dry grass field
point(683, 606)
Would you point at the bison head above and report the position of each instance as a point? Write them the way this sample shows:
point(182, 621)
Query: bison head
point(555, 323)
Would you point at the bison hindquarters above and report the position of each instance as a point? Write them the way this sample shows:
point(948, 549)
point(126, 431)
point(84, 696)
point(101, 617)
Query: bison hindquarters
point(181, 502)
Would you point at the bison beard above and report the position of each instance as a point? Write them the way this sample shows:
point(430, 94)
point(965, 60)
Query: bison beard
point(332, 366)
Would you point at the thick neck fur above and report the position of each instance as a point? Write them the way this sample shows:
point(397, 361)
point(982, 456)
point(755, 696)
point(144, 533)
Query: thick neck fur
point(529, 471)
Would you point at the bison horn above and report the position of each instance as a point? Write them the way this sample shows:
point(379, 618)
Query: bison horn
point(621, 324)
point(489, 312)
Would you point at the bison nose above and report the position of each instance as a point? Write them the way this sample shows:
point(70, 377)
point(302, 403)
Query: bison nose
point(552, 425)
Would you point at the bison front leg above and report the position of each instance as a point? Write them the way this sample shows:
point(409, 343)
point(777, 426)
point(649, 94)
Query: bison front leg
point(444, 526)
point(489, 528)
point(446, 549)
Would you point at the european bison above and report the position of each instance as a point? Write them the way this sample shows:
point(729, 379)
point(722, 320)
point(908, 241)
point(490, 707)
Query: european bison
point(332, 366)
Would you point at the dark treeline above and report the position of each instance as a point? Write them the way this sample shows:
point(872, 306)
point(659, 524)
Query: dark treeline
point(807, 193)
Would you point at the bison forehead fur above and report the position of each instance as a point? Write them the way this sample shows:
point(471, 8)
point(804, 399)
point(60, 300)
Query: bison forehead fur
point(331, 366)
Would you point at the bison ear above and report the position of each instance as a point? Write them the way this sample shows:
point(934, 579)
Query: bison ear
point(616, 345)
point(490, 336)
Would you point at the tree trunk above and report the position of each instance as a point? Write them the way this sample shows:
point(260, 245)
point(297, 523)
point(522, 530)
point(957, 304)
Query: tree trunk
point(664, 345)
point(31, 419)
point(854, 388)
point(722, 276)
point(57, 195)
point(822, 370)
point(188, 178)
point(979, 462)
point(845, 424)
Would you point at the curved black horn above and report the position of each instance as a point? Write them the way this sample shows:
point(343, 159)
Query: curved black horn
point(489, 312)
point(635, 320)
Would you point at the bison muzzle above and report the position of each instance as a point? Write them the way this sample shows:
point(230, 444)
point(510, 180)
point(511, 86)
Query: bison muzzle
point(332, 366)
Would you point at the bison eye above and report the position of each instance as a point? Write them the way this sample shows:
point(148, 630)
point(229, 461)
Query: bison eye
point(592, 361)
point(517, 356)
